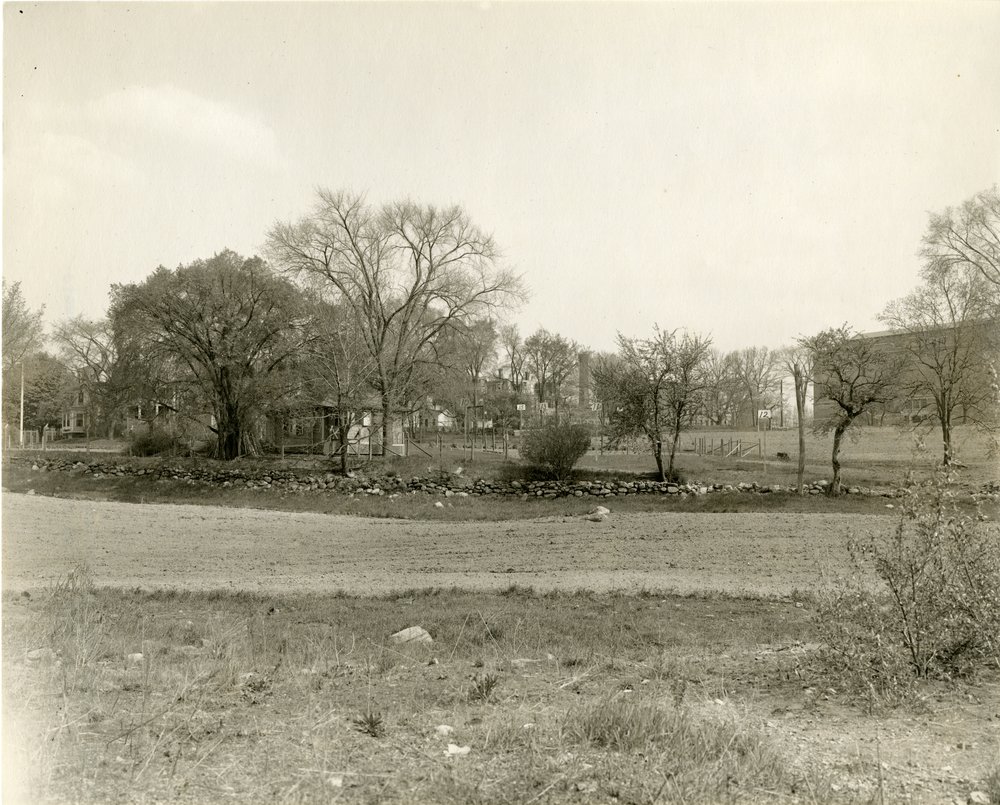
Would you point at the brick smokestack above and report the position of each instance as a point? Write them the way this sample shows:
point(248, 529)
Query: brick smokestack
point(583, 360)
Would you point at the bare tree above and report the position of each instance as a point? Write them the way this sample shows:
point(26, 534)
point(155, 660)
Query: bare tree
point(513, 348)
point(944, 328)
point(476, 353)
point(755, 367)
point(798, 362)
point(407, 273)
point(856, 375)
point(966, 236)
point(88, 348)
point(654, 386)
point(551, 359)
point(336, 371)
point(725, 391)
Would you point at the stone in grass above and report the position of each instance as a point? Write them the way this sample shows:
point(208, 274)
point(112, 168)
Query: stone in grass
point(438, 504)
point(454, 750)
point(979, 798)
point(412, 634)
point(600, 510)
point(40, 655)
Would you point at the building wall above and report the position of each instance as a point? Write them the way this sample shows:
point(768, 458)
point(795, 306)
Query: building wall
point(907, 407)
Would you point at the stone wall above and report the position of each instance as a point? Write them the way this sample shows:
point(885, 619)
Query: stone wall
point(446, 485)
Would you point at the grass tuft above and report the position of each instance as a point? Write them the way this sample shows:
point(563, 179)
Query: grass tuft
point(370, 723)
point(483, 687)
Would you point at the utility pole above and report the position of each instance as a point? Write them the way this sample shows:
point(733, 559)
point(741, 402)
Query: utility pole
point(21, 434)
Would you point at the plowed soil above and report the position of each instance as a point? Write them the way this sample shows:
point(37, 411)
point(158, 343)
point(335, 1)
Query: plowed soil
point(938, 756)
point(203, 547)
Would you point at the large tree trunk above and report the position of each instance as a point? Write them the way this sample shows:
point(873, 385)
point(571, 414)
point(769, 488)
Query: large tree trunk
point(229, 433)
point(344, 435)
point(673, 449)
point(838, 436)
point(944, 415)
point(386, 415)
point(802, 452)
point(657, 445)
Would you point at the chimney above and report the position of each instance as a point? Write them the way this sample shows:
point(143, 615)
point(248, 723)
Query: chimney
point(583, 361)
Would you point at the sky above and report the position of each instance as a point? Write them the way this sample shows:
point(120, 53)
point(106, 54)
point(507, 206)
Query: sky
point(751, 171)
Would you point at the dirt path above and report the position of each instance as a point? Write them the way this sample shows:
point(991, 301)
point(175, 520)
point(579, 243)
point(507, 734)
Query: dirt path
point(201, 547)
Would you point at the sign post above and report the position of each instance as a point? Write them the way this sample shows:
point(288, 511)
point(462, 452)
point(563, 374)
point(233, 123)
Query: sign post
point(764, 413)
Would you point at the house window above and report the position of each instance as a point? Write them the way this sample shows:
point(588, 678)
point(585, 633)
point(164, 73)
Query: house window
point(79, 420)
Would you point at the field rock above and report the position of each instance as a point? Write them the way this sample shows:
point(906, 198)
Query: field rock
point(412, 634)
point(978, 798)
point(40, 655)
point(601, 510)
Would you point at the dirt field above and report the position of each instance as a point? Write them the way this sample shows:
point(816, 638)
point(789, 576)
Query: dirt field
point(937, 755)
point(203, 547)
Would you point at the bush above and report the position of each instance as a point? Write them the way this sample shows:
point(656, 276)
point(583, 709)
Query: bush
point(151, 443)
point(935, 612)
point(554, 449)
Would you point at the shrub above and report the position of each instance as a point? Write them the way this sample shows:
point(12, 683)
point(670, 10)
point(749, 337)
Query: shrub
point(554, 449)
point(151, 443)
point(935, 611)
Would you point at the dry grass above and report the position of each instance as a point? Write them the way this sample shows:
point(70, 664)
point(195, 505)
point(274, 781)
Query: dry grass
point(156, 697)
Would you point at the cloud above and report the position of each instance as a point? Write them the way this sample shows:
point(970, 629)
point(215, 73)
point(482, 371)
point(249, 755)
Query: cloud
point(167, 111)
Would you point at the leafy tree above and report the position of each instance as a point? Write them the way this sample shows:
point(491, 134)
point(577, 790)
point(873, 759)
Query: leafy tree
point(22, 335)
point(945, 328)
point(407, 273)
point(22, 327)
point(967, 236)
point(555, 447)
point(654, 387)
point(501, 407)
point(224, 325)
point(48, 388)
point(856, 375)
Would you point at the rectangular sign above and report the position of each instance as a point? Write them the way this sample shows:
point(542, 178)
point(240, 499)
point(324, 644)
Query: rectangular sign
point(521, 406)
point(763, 413)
